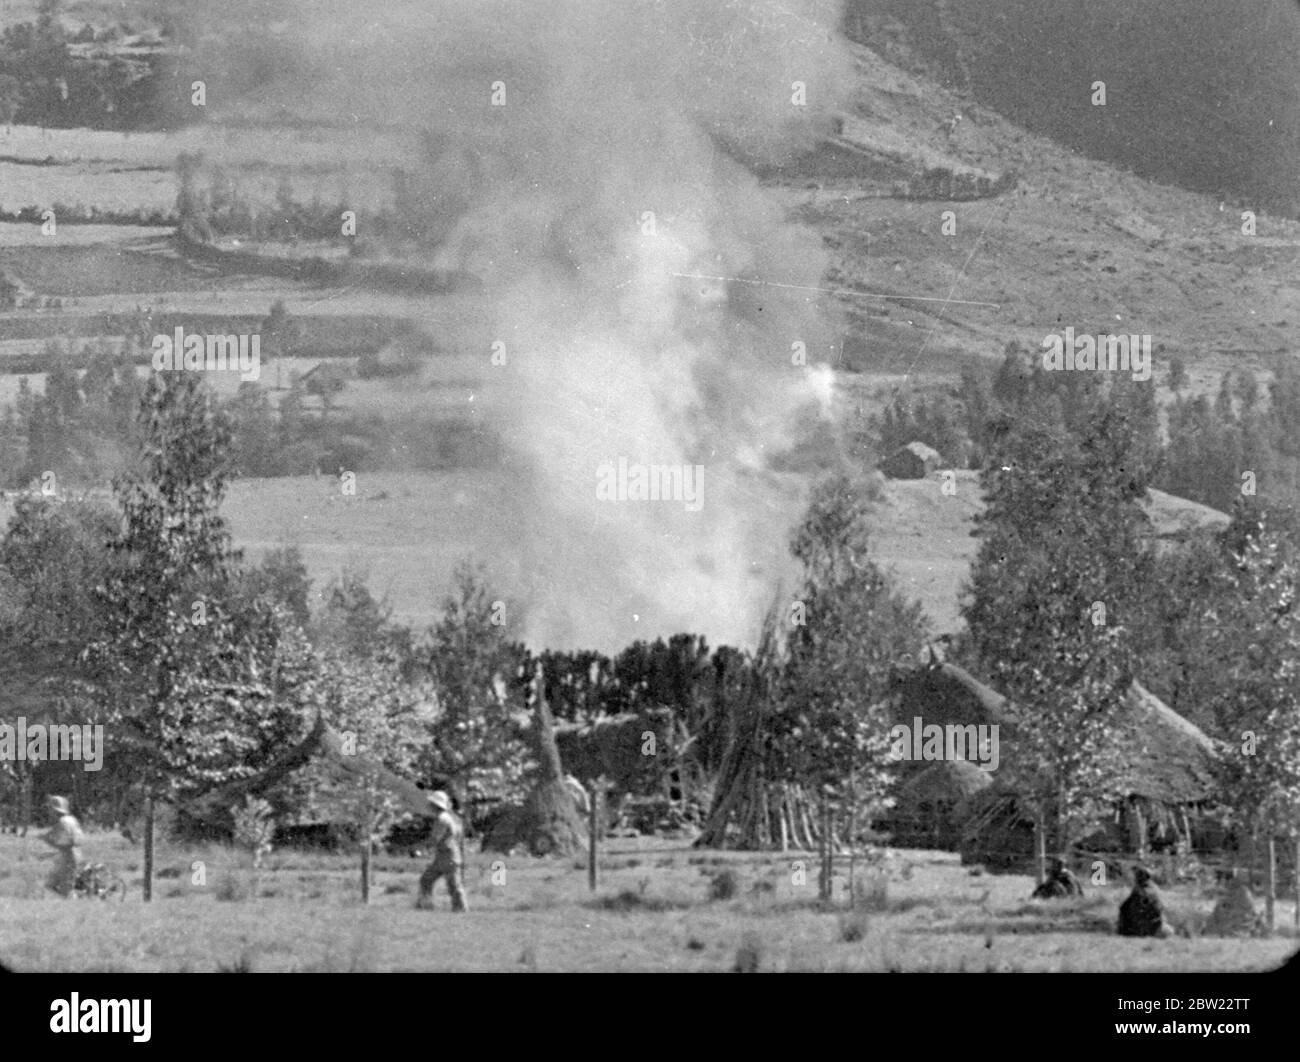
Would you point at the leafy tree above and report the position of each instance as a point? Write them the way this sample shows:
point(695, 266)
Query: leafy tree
point(1259, 702)
point(282, 578)
point(850, 629)
point(353, 619)
point(178, 666)
point(475, 743)
point(1053, 589)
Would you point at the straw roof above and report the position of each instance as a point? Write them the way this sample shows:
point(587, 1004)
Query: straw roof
point(1166, 758)
point(947, 780)
point(946, 693)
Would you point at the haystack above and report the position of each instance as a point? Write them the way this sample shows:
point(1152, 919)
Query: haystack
point(547, 823)
point(1235, 915)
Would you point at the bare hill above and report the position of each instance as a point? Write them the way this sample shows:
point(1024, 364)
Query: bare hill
point(923, 536)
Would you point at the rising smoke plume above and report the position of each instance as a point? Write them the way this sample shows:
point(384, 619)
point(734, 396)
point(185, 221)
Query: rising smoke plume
point(595, 205)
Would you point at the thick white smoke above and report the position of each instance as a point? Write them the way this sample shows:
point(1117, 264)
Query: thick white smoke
point(587, 154)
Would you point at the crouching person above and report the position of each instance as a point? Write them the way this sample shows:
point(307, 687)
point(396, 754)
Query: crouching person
point(1142, 914)
point(1060, 883)
point(66, 838)
point(445, 840)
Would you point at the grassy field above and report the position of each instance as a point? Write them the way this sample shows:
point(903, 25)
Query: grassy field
point(408, 530)
point(656, 910)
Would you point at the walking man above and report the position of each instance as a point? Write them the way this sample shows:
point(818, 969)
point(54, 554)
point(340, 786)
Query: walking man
point(446, 840)
point(66, 838)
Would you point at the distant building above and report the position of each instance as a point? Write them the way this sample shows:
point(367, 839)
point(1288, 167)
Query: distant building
point(913, 461)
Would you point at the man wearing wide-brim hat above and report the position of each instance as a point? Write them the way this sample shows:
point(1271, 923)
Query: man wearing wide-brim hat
point(446, 839)
point(65, 837)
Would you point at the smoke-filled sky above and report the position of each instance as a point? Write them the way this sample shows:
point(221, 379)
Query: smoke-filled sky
point(592, 205)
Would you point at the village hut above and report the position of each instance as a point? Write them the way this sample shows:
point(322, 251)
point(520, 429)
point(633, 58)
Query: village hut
point(913, 461)
point(930, 804)
point(1167, 772)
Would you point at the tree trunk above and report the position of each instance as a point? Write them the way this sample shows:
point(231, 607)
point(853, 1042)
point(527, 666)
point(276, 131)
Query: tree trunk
point(365, 868)
point(1271, 895)
point(1295, 883)
point(805, 819)
point(25, 797)
point(1140, 831)
point(1040, 842)
point(367, 833)
point(148, 847)
point(824, 877)
point(781, 813)
point(853, 832)
point(593, 833)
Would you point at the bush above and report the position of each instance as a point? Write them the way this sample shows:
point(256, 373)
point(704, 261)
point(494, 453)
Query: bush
point(749, 955)
point(244, 964)
point(872, 893)
point(630, 900)
point(853, 927)
point(231, 890)
point(724, 885)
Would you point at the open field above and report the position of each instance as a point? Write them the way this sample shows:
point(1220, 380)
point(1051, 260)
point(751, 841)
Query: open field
point(408, 531)
point(652, 912)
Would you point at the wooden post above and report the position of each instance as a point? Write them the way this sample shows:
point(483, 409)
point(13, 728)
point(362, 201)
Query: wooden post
point(148, 847)
point(365, 869)
point(853, 832)
point(367, 827)
point(782, 810)
point(25, 810)
point(1140, 828)
point(467, 807)
point(1295, 882)
point(593, 832)
point(825, 846)
point(1271, 872)
point(1040, 842)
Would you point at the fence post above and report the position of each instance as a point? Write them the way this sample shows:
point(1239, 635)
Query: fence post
point(1040, 842)
point(853, 833)
point(148, 847)
point(1272, 880)
point(367, 825)
point(1295, 882)
point(824, 880)
point(592, 830)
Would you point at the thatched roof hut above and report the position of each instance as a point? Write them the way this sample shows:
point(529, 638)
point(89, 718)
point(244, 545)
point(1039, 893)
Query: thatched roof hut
point(1167, 766)
point(931, 804)
point(945, 693)
point(916, 460)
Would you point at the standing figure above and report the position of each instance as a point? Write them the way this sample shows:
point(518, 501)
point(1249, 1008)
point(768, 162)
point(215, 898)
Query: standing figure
point(446, 839)
point(66, 838)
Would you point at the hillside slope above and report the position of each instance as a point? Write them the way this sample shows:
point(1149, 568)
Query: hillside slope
point(924, 537)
